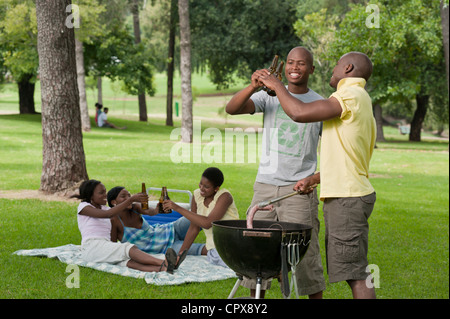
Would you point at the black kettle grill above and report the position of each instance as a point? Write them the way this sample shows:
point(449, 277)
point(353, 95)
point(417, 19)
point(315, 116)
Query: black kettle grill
point(262, 252)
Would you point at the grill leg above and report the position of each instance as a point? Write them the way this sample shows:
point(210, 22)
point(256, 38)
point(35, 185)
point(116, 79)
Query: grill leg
point(258, 287)
point(235, 288)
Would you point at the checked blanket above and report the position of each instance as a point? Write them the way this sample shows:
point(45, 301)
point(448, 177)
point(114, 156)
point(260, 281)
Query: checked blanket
point(193, 268)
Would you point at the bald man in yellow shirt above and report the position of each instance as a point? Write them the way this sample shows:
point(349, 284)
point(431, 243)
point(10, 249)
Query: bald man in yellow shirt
point(348, 140)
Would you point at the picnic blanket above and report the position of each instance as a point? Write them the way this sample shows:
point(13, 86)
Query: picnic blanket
point(193, 269)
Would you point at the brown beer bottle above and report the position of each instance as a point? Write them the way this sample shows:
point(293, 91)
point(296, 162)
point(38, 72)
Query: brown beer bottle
point(144, 190)
point(272, 69)
point(161, 201)
point(278, 73)
point(166, 196)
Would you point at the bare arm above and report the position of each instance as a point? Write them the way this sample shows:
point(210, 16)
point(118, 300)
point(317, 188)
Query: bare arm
point(320, 110)
point(223, 202)
point(305, 184)
point(241, 103)
point(150, 211)
point(100, 213)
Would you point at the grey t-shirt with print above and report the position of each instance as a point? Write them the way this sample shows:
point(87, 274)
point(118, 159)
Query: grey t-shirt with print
point(289, 149)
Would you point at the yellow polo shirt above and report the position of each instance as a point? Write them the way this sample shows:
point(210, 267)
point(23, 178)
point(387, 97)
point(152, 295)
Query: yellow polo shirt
point(347, 143)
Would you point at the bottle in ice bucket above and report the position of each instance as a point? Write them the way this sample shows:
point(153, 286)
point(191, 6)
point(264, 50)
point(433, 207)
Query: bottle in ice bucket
point(164, 196)
point(144, 190)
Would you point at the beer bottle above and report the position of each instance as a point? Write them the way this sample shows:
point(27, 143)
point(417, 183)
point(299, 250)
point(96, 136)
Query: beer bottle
point(166, 196)
point(145, 203)
point(272, 69)
point(273, 66)
point(161, 201)
point(278, 73)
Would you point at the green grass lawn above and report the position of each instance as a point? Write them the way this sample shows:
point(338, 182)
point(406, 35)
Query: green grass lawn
point(409, 238)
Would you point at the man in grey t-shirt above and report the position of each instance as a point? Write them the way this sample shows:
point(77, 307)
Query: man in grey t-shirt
point(289, 154)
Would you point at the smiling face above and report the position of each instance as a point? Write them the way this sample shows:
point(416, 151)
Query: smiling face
point(299, 65)
point(121, 197)
point(99, 196)
point(207, 189)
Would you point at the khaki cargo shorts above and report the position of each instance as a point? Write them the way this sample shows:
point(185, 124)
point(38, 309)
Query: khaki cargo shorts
point(302, 209)
point(346, 236)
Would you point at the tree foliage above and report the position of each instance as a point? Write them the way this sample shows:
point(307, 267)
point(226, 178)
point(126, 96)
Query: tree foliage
point(404, 44)
point(240, 36)
point(18, 39)
point(114, 54)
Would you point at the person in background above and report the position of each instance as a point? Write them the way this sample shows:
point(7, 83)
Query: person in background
point(98, 111)
point(103, 120)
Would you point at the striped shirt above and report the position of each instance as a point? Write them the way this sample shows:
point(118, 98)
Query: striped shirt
point(151, 239)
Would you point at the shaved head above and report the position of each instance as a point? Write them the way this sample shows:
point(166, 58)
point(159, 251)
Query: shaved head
point(306, 53)
point(352, 64)
point(362, 66)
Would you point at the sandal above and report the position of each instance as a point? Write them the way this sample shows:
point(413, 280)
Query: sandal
point(182, 257)
point(171, 257)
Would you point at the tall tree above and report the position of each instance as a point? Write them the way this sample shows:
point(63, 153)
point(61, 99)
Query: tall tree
point(114, 53)
point(86, 23)
point(18, 46)
point(63, 163)
point(171, 62)
point(185, 68)
point(445, 31)
point(137, 39)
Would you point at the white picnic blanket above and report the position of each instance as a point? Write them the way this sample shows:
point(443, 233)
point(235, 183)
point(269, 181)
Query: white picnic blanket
point(193, 268)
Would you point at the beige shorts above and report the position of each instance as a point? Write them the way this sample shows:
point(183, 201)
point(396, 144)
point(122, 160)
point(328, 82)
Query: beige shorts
point(347, 236)
point(302, 209)
point(100, 250)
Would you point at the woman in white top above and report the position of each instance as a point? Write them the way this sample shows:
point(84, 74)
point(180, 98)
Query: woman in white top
point(94, 223)
point(210, 203)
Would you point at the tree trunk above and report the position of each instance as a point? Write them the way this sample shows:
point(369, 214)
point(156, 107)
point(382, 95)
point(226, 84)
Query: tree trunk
point(63, 162)
point(137, 39)
point(377, 113)
point(445, 32)
point(185, 68)
point(419, 117)
point(85, 120)
point(99, 90)
point(26, 95)
point(170, 65)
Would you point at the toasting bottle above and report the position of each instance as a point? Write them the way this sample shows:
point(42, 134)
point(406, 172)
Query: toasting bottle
point(272, 69)
point(278, 73)
point(164, 196)
point(145, 203)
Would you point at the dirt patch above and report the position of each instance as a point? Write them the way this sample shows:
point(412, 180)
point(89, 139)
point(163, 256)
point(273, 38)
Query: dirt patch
point(36, 194)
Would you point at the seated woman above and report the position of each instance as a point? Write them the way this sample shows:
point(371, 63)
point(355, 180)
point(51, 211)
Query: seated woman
point(95, 228)
point(210, 203)
point(129, 226)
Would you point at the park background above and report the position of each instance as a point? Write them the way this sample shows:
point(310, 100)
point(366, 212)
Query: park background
point(409, 226)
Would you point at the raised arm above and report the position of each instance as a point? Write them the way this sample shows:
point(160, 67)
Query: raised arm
point(223, 202)
point(241, 103)
point(320, 110)
point(100, 213)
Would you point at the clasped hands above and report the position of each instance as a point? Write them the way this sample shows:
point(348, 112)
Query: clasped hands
point(263, 77)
